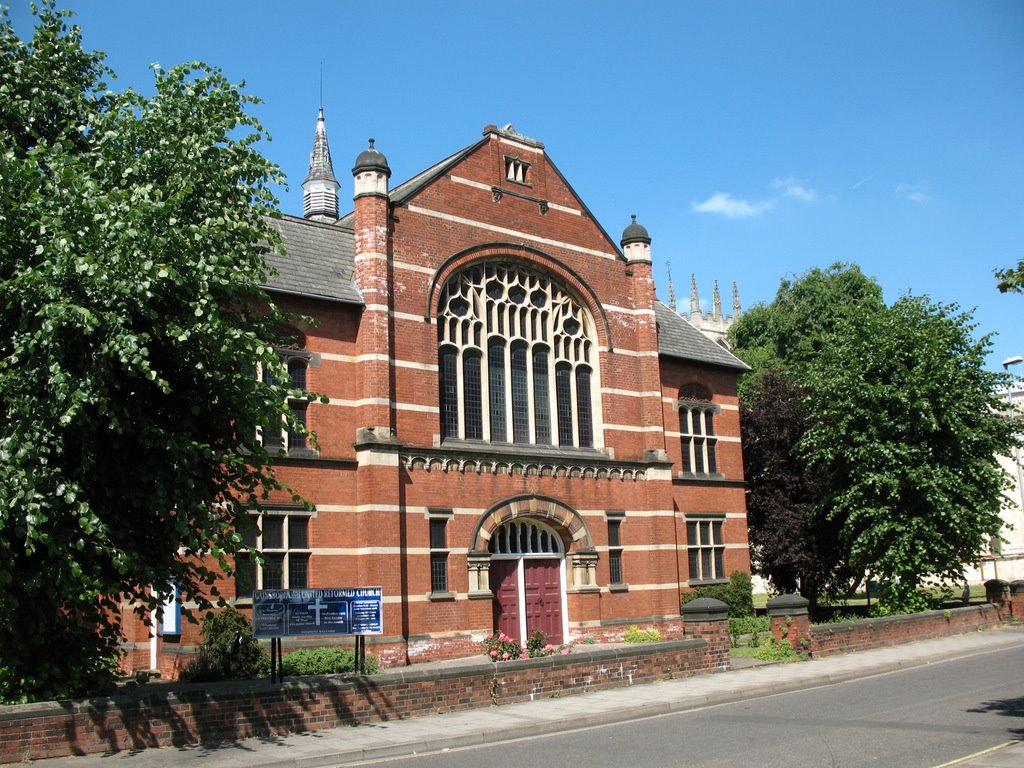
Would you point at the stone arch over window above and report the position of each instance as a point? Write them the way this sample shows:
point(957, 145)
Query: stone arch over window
point(517, 355)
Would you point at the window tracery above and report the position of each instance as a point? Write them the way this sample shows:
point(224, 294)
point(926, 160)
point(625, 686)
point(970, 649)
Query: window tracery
point(516, 350)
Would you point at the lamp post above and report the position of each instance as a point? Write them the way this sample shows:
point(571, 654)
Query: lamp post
point(1015, 360)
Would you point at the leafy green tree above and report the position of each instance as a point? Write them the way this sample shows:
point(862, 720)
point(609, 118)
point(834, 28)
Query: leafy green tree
point(906, 431)
point(870, 434)
point(1012, 278)
point(132, 238)
point(792, 544)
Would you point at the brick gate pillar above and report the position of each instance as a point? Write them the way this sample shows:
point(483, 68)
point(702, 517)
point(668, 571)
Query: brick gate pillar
point(790, 621)
point(707, 619)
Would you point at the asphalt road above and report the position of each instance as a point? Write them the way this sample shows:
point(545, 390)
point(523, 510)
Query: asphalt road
point(918, 718)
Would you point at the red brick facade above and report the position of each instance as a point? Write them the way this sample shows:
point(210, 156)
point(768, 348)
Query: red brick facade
point(599, 475)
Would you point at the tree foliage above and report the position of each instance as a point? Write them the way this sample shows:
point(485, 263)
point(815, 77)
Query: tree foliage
point(792, 545)
point(132, 239)
point(871, 435)
point(1011, 279)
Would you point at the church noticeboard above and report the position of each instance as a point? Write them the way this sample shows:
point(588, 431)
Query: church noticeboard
point(311, 612)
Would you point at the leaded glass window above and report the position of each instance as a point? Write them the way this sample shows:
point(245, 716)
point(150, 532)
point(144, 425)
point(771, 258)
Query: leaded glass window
point(514, 349)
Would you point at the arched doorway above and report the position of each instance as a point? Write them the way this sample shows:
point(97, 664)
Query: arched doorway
point(527, 578)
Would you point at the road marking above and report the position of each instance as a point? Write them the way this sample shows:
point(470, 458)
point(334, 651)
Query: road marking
point(960, 760)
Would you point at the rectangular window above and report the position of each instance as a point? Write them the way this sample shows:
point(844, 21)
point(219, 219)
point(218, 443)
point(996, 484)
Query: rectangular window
point(473, 402)
point(439, 554)
point(541, 398)
point(283, 540)
point(697, 427)
point(563, 402)
point(496, 389)
point(615, 552)
point(296, 438)
point(705, 550)
point(520, 396)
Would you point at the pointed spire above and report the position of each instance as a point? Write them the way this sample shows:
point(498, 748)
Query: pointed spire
point(735, 302)
point(716, 303)
point(694, 298)
point(320, 187)
point(320, 166)
point(672, 291)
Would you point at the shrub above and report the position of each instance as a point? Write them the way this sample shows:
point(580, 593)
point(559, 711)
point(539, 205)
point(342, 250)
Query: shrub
point(738, 594)
point(897, 599)
point(636, 635)
point(325, 661)
point(228, 650)
point(773, 650)
point(752, 626)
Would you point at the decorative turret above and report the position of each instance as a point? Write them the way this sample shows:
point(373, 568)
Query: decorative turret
point(320, 188)
point(636, 243)
point(371, 173)
point(716, 303)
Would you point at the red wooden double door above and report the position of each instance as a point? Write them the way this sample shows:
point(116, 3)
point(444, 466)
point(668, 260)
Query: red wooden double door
point(530, 587)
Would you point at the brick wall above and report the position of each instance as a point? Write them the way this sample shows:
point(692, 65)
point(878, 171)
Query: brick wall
point(826, 639)
point(161, 715)
point(864, 634)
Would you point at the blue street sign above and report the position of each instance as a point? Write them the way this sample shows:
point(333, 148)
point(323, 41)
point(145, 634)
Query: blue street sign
point(310, 612)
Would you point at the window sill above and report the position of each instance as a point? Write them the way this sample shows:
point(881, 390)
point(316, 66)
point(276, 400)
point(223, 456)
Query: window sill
point(706, 582)
point(622, 587)
point(441, 597)
point(586, 589)
point(712, 476)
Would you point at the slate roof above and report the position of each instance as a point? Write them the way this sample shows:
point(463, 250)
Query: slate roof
point(318, 261)
point(677, 338)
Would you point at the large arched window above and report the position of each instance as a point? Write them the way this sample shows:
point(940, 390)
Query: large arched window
point(516, 356)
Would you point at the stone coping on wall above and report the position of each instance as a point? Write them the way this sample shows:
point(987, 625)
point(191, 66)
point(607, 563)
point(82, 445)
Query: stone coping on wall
point(174, 714)
point(158, 692)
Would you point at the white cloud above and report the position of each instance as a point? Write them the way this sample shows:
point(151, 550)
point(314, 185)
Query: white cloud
point(914, 192)
point(796, 188)
point(726, 205)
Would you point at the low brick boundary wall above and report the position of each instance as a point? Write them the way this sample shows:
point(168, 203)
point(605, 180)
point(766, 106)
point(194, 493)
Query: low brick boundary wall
point(864, 634)
point(162, 714)
point(789, 621)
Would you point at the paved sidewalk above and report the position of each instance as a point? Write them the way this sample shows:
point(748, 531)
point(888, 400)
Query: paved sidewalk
point(342, 746)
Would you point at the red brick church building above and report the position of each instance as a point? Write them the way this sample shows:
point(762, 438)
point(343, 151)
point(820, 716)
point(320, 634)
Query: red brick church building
point(518, 435)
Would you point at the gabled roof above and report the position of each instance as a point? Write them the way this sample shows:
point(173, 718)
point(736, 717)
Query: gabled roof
point(318, 261)
point(407, 189)
point(677, 338)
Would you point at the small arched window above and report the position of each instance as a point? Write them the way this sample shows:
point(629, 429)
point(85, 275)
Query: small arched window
point(697, 430)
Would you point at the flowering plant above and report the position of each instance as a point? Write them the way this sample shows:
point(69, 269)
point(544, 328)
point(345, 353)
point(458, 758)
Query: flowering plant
point(500, 647)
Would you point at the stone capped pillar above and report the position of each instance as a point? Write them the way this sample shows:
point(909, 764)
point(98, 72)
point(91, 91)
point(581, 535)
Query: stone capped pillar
point(790, 621)
point(1017, 600)
point(708, 619)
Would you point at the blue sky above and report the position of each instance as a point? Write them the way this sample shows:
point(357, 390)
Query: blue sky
point(754, 140)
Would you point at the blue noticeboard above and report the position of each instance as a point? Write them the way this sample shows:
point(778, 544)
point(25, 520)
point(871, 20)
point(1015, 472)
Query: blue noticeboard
point(310, 612)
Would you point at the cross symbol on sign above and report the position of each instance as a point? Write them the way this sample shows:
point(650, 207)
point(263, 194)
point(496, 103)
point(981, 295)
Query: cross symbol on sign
point(317, 607)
